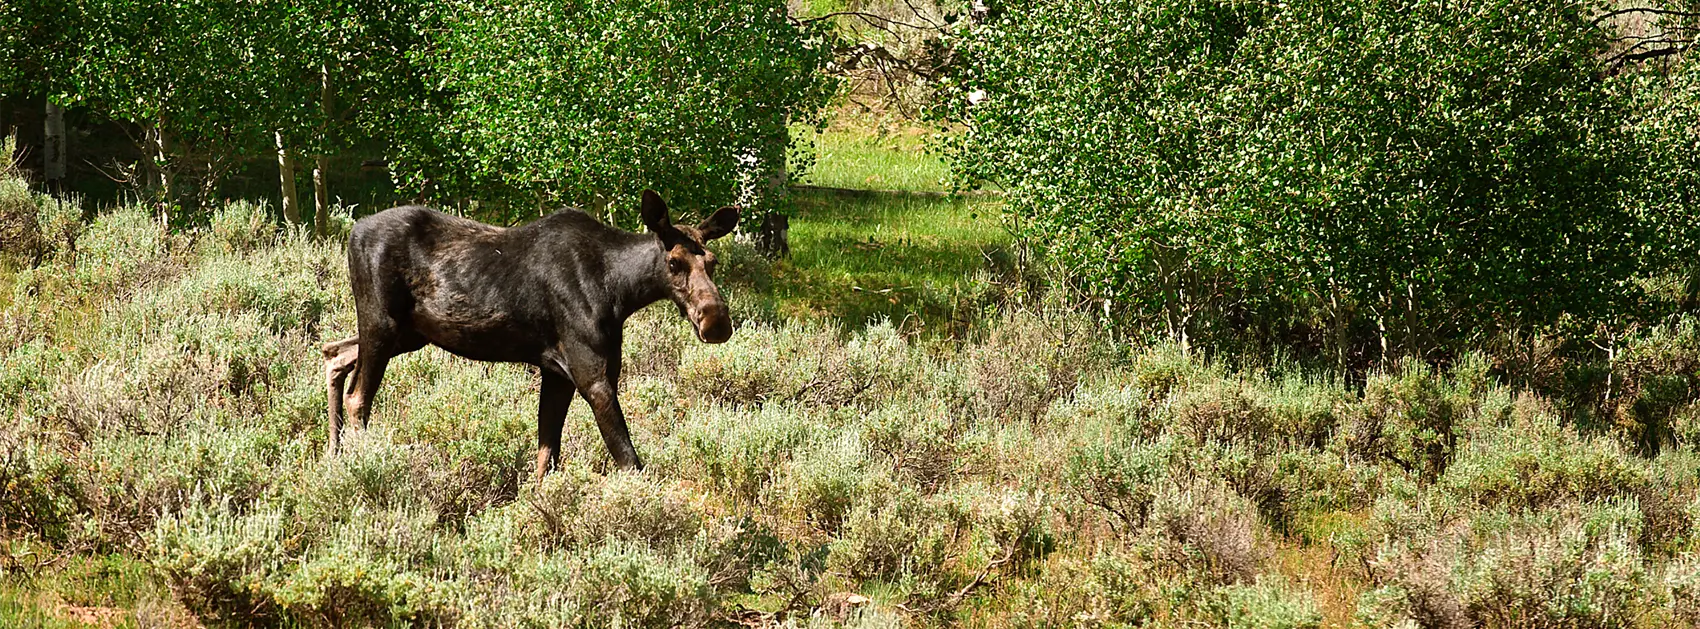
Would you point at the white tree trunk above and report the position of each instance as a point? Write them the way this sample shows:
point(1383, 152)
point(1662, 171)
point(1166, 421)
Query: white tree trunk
point(158, 172)
point(321, 196)
point(321, 193)
point(53, 153)
point(286, 177)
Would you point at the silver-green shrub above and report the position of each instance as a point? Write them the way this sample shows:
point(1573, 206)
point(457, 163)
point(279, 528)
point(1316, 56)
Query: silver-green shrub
point(165, 399)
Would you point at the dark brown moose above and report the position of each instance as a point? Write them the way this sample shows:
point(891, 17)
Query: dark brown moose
point(554, 293)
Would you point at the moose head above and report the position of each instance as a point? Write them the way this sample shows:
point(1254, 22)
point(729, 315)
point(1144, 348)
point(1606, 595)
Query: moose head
point(689, 266)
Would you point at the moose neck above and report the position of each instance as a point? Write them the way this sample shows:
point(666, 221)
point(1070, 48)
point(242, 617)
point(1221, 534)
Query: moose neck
point(637, 274)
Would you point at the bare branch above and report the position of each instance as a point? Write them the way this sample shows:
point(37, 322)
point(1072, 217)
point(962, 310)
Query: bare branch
point(870, 18)
point(1649, 54)
point(1655, 11)
point(922, 14)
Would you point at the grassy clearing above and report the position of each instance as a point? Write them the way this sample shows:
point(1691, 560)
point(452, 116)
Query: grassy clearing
point(874, 238)
point(932, 264)
point(873, 156)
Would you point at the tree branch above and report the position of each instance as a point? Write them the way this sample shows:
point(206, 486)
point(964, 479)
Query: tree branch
point(870, 18)
point(1627, 58)
point(1656, 11)
point(956, 599)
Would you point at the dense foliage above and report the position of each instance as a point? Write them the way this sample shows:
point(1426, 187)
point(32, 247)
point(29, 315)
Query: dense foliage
point(1666, 193)
point(1403, 172)
point(345, 75)
point(593, 102)
point(527, 104)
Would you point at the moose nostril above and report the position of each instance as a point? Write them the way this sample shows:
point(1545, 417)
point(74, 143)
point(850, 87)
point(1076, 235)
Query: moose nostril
point(715, 328)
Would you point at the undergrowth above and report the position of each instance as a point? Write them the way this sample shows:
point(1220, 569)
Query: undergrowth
point(166, 398)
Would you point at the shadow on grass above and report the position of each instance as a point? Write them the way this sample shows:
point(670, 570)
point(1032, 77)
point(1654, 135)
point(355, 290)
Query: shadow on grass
point(929, 263)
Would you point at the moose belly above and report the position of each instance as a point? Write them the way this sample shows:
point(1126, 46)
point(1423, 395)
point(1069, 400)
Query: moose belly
point(476, 333)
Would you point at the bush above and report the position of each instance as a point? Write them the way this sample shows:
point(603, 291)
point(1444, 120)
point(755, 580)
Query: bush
point(1109, 408)
point(1520, 472)
point(221, 565)
point(655, 342)
point(804, 364)
point(925, 447)
point(1017, 524)
point(125, 247)
point(691, 99)
point(1024, 364)
point(576, 510)
point(339, 590)
point(20, 225)
point(1269, 603)
point(1683, 579)
point(285, 289)
point(368, 474)
point(744, 453)
point(25, 373)
point(1658, 378)
point(1223, 414)
point(1123, 481)
point(1213, 526)
point(470, 430)
point(241, 227)
point(38, 492)
point(1110, 589)
point(893, 535)
point(1193, 204)
point(131, 480)
point(33, 226)
point(1411, 419)
point(824, 482)
point(1574, 566)
point(623, 585)
point(755, 367)
point(1316, 481)
point(1591, 575)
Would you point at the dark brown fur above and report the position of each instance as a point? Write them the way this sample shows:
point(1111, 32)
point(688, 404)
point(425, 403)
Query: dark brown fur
point(554, 293)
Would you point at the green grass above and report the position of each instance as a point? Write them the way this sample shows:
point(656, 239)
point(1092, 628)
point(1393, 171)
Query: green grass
point(42, 589)
point(919, 260)
point(862, 159)
point(874, 236)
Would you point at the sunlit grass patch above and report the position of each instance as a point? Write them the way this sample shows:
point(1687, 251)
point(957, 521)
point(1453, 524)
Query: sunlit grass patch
point(860, 159)
point(864, 256)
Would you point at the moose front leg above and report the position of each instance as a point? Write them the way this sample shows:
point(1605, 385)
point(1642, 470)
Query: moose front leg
point(598, 384)
point(557, 394)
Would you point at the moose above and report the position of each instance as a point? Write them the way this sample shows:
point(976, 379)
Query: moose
point(554, 293)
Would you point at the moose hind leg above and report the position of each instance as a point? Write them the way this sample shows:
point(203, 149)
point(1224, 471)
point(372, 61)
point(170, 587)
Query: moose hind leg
point(369, 373)
point(374, 357)
point(340, 359)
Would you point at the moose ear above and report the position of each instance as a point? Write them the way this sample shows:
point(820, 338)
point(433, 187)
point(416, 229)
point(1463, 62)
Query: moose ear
point(723, 222)
point(654, 212)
